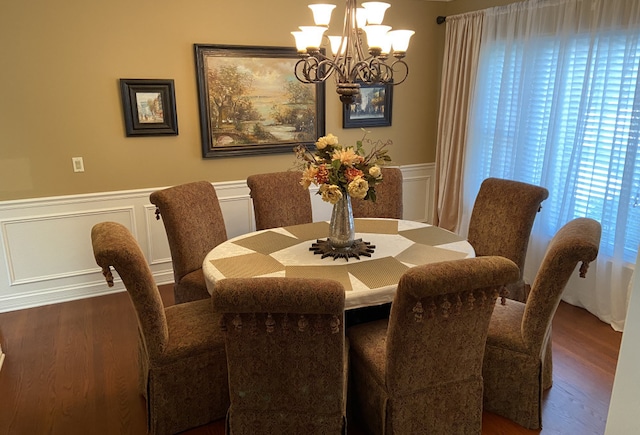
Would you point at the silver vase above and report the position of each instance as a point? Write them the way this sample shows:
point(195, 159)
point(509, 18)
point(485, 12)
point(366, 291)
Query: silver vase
point(341, 227)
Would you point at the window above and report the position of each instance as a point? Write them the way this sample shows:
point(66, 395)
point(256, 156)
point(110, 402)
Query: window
point(565, 113)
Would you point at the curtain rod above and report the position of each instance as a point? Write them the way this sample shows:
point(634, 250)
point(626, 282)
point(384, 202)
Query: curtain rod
point(441, 19)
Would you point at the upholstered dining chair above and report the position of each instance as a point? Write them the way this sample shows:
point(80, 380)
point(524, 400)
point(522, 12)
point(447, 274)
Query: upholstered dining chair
point(388, 202)
point(501, 221)
point(420, 372)
point(518, 333)
point(183, 369)
point(500, 224)
point(194, 225)
point(286, 354)
point(279, 200)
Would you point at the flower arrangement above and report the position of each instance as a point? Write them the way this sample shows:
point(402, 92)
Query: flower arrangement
point(341, 169)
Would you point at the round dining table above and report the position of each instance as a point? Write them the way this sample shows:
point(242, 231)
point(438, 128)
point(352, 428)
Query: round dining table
point(397, 245)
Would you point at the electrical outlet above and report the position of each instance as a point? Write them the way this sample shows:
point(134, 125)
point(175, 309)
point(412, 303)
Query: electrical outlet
point(78, 164)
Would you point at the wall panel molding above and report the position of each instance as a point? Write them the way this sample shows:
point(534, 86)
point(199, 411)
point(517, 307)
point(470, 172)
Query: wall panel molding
point(45, 246)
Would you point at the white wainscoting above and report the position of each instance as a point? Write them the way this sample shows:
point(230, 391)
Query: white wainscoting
point(46, 255)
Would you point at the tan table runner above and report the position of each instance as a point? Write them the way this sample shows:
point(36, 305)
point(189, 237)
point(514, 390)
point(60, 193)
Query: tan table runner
point(267, 242)
point(424, 254)
point(376, 226)
point(433, 236)
point(313, 231)
point(335, 272)
point(247, 266)
point(377, 273)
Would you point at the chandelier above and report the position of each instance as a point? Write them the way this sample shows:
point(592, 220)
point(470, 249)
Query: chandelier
point(350, 63)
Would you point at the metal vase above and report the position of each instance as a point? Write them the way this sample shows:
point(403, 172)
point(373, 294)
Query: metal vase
point(341, 227)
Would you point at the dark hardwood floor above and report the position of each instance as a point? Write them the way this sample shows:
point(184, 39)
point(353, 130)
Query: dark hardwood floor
point(70, 368)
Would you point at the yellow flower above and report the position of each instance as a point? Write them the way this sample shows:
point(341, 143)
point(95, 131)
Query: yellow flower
point(330, 193)
point(347, 156)
point(328, 140)
point(358, 188)
point(375, 171)
point(308, 176)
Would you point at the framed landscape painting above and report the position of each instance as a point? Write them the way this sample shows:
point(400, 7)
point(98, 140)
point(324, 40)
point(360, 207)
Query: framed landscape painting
point(251, 102)
point(372, 107)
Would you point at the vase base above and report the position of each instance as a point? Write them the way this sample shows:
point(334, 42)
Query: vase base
point(357, 249)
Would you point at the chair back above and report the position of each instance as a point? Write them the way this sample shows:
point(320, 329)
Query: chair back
point(438, 324)
point(285, 349)
point(114, 246)
point(502, 218)
point(388, 202)
point(577, 241)
point(279, 200)
point(193, 222)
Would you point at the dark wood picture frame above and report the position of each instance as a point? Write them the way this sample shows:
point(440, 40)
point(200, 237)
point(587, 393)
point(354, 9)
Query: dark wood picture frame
point(149, 107)
point(251, 102)
point(372, 107)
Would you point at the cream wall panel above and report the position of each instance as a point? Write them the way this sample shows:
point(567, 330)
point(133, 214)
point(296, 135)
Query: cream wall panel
point(417, 191)
point(321, 210)
point(46, 254)
point(236, 206)
point(41, 248)
point(157, 244)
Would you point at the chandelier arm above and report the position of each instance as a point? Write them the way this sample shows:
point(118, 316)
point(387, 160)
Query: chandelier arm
point(314, 69)
point(405, 70)
point(302, 70)
point(372, 71)
point(352, 50)
point(360, 72)
point(328, 66)
point(377, 69)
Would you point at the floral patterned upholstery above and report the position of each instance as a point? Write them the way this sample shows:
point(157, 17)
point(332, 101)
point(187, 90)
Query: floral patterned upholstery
point(279, 200)
point(420, 372)
point(501, 222)
point(181, 350)
point(286, 353)
point(194, 225)
point(519, 333)
point(388, 198)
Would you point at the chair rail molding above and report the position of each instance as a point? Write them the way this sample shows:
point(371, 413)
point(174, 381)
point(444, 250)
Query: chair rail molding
point(45, 246)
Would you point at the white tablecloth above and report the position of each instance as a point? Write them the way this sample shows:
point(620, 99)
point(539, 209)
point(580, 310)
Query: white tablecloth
point(279, 252)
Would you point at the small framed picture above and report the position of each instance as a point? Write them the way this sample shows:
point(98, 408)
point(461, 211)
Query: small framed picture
point(149, 107)
point(372, 107)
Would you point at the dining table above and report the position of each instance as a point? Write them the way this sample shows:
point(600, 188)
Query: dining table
point(371, 279)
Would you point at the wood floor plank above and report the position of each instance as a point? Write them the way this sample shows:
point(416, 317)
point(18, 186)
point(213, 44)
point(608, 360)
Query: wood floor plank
point(71, 368)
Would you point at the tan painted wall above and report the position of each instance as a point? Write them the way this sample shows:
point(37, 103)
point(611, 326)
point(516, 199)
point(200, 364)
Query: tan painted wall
point(59, 95)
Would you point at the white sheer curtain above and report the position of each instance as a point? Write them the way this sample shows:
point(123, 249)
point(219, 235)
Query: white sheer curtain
point(557, 104)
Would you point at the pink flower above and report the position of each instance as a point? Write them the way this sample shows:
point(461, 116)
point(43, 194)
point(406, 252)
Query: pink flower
point(353, 173)
point(322, 175)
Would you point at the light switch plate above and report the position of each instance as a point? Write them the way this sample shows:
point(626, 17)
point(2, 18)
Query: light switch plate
point(78, 164)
